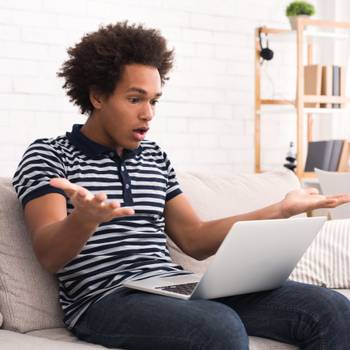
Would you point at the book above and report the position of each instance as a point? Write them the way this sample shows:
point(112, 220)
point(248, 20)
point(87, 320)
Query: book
point(336, 84)
point(344, 158)
point(342, 84)
point(312, 82)
point(324, 155)
point(326, 84)
point(335, 155)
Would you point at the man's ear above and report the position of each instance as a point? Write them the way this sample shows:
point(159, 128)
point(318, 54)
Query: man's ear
point(96, 98)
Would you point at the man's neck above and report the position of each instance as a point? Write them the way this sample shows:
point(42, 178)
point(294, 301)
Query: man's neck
point(93, 131)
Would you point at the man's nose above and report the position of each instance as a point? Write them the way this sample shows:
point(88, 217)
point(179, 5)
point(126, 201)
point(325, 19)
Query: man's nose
point(148, 112)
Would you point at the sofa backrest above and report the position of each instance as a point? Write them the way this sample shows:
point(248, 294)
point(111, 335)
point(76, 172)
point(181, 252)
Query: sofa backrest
point(29, 295)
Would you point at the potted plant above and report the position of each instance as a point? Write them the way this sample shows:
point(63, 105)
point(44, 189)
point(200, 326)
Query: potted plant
point(299, 8)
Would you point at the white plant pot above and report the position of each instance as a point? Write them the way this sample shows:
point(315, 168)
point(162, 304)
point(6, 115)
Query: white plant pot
point(293, 21)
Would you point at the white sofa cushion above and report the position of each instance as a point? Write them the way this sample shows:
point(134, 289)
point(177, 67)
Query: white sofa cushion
point(15, 341)
point(327, 261)
point(28, 294)
point(217, 195)
point(255, 343)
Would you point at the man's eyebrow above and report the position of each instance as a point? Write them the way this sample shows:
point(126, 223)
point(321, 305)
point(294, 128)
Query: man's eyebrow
point(142, 91)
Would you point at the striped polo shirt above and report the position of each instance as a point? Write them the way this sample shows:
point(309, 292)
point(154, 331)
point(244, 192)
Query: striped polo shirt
point(124, 248)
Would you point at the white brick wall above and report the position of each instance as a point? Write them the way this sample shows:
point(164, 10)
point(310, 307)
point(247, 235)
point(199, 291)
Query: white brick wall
point(205, 119)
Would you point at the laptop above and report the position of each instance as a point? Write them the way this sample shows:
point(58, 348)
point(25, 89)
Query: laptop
point(255, 256)
point(332, 183)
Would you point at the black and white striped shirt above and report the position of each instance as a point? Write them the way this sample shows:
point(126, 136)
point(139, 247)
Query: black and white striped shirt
point(123, 248)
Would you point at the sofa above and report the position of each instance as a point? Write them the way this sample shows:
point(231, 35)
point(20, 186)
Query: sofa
point(30, 316)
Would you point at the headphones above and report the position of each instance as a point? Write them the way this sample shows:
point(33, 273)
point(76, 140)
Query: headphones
point(265, 53)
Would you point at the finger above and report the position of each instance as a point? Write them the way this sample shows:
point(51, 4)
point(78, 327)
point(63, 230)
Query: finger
point(100, 197)
point(71, 189)
point(64, 185)
point(113, 205)
point(342, 196)
point(83, 194)
point(125, 211)
point(341, 201)
point(336, 200)
point(329, 203)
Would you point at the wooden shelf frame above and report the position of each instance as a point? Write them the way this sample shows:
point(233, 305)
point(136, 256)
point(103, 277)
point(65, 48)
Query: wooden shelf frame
point(300, 99)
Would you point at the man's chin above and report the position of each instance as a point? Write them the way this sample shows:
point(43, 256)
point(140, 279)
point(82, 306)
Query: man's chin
point(133, 146)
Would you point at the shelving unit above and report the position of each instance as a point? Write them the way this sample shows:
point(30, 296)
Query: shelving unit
point(302, 36)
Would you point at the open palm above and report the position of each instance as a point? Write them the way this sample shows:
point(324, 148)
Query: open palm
point(306, 199)
point(91, 208)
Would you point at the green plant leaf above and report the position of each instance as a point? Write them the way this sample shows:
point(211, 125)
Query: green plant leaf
point(297, 8)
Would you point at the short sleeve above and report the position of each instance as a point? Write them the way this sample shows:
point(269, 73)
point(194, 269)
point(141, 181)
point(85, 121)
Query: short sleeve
point(40, 163)
point(173, 188)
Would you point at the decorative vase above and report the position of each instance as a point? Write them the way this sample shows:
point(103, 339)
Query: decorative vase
point(293, 21)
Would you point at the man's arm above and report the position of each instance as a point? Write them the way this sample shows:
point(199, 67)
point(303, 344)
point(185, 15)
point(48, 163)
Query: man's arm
point(201, 239)
point(58, 238)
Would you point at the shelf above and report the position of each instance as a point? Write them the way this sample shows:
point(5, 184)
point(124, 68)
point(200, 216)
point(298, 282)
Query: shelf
point(306, 28)
point(332, 35)
point(292, 109)
point(324, 99)
point(274, 101)
point(309, 175)
point(289, 106)
point(307, 33)
point(306, 99)
point(304, 22)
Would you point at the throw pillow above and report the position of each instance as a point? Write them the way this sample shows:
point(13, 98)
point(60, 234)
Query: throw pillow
point(327, 261)
point(28, 294)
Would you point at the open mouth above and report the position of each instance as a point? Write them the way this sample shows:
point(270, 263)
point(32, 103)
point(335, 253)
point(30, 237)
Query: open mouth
point(140, 133)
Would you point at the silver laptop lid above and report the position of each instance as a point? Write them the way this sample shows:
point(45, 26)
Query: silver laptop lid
point(257, 255)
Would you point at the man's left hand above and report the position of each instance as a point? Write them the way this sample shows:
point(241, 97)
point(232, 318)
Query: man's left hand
point(307, 199)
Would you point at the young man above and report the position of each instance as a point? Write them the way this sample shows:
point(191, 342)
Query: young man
point(98, 200)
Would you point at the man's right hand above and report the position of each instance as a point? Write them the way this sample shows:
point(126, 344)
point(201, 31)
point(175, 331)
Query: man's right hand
point(91, 209)
point(57, 237)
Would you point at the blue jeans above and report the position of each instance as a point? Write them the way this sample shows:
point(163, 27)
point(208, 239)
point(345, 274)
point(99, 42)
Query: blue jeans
point(305, 315)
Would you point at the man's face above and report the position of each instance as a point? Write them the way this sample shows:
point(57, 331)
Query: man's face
point(122, 119)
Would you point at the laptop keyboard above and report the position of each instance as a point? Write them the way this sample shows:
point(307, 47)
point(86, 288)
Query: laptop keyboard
point(183, 288)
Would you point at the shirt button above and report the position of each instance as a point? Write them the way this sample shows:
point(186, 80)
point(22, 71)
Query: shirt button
point(122, 168)
point(127, 186)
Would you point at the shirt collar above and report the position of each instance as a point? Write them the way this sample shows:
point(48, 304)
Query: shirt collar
point(94, 149)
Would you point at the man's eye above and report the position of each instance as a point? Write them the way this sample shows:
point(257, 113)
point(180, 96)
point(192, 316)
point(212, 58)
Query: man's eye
point(154, 102)
point(134, 99)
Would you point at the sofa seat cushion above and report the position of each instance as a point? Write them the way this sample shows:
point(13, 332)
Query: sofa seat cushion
point(58, 339)
point(345, 292)
point(10, 340)
point(62, 334)
point(256, 343)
